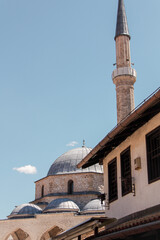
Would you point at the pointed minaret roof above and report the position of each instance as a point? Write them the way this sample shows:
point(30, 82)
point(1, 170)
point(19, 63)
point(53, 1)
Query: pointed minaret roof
point(122, 25)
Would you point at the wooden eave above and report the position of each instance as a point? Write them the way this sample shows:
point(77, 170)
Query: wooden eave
point(136, 119)
point(84, 227)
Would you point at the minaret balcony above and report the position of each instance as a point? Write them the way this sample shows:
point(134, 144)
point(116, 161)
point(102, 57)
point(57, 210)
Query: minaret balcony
point(127, 71)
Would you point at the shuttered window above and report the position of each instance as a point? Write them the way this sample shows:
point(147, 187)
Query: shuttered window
point(112, 180)
point(126, 178)
point(153, 155)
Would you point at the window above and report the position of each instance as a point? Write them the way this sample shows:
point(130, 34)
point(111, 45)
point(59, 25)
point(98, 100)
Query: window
point(126, 179)
point(70, 187)
point(42, 191)
point(112, 180)
point(50, 187)
point(153, 155)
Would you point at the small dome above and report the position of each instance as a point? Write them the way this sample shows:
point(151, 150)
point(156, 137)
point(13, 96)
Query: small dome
point(62, 205)
point(94, 206)
point(25, 210)
point(67, 163)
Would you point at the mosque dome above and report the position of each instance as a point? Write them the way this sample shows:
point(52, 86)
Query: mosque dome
point(94, 206)
point(62, 205)
point(67, 163)
point(25, 210)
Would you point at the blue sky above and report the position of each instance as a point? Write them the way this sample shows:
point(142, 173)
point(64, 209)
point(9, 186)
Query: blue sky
point(56, 61)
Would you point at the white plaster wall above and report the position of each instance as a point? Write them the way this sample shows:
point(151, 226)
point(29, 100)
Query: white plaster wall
point(147, 195)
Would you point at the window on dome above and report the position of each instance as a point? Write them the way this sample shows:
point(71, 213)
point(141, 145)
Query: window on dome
point(51, 187)
point(42, 191)
point(70, 187)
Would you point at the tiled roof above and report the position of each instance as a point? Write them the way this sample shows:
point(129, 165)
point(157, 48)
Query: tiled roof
point(137, 224)
point(134, 223)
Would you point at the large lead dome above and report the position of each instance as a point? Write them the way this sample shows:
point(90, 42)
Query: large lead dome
point(67, 163)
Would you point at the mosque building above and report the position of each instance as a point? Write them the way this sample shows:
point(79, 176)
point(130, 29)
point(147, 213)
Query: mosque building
point(65, 197)
point(130, 155)
point(69, 202)
point(65, 180)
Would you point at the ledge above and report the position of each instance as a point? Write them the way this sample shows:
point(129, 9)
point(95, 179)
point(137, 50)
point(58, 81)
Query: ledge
point(124, 71)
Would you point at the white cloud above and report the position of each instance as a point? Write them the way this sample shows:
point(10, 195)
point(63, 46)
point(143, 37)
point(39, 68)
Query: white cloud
point(72, 144)
point(26, 169)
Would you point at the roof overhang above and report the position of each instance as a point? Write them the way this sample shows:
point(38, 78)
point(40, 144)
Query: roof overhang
point(134, 224)
point(84, 227)
point(144, 228)
point(136, 119)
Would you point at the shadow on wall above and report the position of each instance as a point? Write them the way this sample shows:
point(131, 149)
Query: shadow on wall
point(51, 233)
point(18, 235)
point(21, 235)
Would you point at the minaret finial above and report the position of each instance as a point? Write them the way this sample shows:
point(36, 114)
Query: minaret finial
point(122, 25)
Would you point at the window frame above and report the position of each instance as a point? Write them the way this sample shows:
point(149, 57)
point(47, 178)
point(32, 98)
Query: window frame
point(149, 137)
point(115, 181)
point(124, 175)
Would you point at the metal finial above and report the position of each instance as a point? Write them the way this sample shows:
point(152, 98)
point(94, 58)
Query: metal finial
point(83, 143)
point(122, 25)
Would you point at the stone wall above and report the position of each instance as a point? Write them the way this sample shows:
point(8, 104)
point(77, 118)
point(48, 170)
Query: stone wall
point(124, 82)
point(123, 58)
point(85, 184)
point(59, 183)
point(125, 95)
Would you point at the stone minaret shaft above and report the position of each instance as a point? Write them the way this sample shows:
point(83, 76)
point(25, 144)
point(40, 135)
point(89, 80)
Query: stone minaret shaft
point(124, 76)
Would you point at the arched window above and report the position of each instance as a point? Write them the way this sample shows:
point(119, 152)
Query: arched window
point(70, 187)
point(52, 232)
point(42, 191)
point(18, 234)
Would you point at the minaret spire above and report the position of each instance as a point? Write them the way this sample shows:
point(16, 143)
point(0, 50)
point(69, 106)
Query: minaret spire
point(122, 25)
point(124, 76)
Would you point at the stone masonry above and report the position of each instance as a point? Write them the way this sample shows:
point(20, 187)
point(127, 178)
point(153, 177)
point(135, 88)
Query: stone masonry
point(124, 78)
point(86, 187)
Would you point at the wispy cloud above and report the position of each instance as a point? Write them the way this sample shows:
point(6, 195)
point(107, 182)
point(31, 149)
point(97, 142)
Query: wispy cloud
point(26, 169)
point(72, 144)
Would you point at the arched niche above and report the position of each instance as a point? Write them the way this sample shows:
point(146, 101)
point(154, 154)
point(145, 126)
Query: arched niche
point(51, 233)
point(70, 186)
point(42, 191)
point(18, 234)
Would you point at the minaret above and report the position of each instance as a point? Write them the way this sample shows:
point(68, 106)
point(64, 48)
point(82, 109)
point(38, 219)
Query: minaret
point(124, 76)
